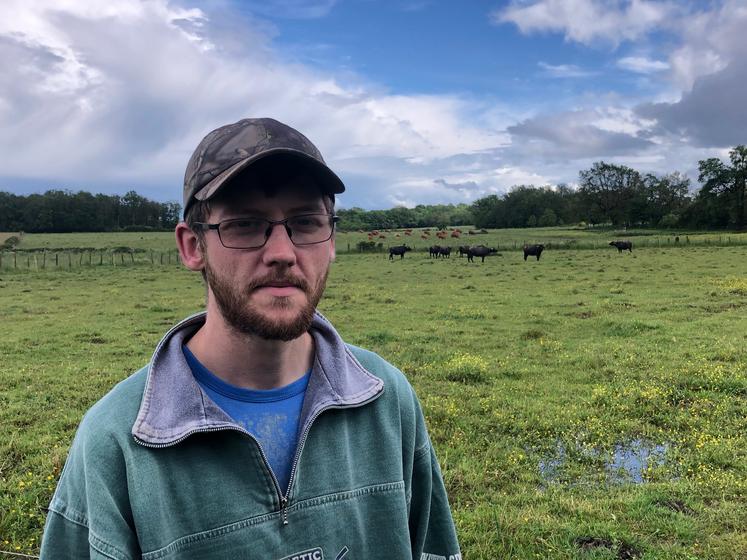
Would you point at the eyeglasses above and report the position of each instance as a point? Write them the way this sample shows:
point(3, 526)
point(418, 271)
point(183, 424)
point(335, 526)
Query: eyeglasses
point(253, 233)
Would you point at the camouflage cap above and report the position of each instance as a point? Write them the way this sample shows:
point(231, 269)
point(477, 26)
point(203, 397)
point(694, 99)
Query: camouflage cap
point(230, 149)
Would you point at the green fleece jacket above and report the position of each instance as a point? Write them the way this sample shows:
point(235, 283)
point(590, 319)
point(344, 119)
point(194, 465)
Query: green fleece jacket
point(159, 471)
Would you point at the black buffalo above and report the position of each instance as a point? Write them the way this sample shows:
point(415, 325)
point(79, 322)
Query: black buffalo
point(479, 251)
point(463, 250)
point(534, 250)
point(622, 245)
point(398, 250)
point(445, 252)
point(435, 251)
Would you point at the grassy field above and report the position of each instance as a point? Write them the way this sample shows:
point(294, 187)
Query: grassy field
point(503, 239)
point(589, 405)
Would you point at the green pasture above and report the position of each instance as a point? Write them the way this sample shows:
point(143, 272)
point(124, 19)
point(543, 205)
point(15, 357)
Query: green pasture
point(554, 237)
point(502, 239)
point(590, 405)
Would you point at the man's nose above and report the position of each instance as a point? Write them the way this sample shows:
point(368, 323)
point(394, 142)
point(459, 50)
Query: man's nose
point(279, 248)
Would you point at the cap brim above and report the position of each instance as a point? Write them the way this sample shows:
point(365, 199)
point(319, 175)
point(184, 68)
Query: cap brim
point(328, 182)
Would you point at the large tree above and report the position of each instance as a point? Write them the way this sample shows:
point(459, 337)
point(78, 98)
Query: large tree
point(612, 193)
point(665, 196)
point(726, 183)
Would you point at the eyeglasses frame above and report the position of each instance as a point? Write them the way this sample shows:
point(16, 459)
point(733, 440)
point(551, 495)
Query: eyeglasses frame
point(271, 224)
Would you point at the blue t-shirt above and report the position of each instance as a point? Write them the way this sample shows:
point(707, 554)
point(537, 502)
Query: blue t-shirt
point(271, 416)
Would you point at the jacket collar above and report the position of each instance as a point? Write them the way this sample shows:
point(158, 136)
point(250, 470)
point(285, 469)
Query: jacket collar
point(174, 406)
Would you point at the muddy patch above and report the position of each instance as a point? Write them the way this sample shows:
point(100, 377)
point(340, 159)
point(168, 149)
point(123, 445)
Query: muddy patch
point(626, 463)
point(622, 550)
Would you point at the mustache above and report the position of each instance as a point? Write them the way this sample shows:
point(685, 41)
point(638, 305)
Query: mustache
point(289, 280)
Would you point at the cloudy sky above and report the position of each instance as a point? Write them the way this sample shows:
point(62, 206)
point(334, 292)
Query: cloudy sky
point(410, 101)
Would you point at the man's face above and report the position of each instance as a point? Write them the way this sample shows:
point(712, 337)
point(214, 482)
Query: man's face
point(271, 291)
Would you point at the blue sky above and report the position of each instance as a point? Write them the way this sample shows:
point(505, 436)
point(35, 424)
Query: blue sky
point(410, 101)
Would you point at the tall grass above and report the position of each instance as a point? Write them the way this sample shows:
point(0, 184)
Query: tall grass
point(589, 405)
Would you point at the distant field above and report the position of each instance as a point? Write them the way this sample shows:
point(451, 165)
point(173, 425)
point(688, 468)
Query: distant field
point(590, 405)
point(158, 241)
point(556, 237)
point(503, 239)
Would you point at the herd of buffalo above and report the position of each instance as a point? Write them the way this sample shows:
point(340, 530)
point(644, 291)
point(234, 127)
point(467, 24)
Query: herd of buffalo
point(438, 251)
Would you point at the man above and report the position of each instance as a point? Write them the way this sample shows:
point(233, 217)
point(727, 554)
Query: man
point(255, 431)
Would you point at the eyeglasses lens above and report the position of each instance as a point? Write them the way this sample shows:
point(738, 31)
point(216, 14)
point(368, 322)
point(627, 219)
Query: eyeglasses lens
point(248, 233)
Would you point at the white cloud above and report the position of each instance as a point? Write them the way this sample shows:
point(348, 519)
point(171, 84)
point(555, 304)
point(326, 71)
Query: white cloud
point(124, 93)
point(642, 65)
point(587, 21)
point(119, 93)
point(711, 69)
point(564, 71)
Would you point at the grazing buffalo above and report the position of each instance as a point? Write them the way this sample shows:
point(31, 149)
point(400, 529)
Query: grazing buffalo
point(622, 245)
point(445, 252)
point(434, 251)
point(479, 251)
point(463, 250)
point(398, 250)
point(534, 250)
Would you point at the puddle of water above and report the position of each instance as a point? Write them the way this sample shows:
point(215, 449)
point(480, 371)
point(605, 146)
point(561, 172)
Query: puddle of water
point(630, 461)
point(626, 464)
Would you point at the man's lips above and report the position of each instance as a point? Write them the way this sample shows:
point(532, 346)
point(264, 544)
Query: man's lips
point(279, 288)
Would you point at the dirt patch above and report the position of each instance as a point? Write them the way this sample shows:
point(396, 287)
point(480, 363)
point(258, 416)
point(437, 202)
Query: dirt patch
point(623, 551)
point(533, 334)
point(675, 505)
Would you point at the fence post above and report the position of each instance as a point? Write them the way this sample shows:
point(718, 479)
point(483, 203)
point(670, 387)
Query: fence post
point(15, 259)
point(57, 260)
point(69, 261)
point(1, 260)
point(132, 256)
point(151, 257)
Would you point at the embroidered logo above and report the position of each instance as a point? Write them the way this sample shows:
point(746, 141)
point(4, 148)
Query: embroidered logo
point(311, 554)
point(429, 556)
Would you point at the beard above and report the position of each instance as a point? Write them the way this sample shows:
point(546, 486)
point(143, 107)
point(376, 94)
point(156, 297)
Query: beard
point(246, 318)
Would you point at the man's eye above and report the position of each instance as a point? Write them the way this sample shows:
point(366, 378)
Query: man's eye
point(244, 225)
point(306, 221)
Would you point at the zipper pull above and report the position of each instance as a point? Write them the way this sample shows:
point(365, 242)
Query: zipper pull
point(284, 510)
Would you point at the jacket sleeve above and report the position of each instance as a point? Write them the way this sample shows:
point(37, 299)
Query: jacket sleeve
point(432, 531)
point(89, 516)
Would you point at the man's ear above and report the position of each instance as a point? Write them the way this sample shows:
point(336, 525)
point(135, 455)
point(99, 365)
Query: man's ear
point(189, 247)
point(332, 252)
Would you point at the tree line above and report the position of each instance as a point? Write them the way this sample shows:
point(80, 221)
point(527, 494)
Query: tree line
point(621, 196)
point(607, 194)
point(58, 211)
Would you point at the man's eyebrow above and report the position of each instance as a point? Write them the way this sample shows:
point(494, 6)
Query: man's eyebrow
point(310, 208)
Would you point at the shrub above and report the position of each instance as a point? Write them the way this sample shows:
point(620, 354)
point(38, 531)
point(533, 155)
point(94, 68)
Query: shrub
point(366, 246)
point(10, 242)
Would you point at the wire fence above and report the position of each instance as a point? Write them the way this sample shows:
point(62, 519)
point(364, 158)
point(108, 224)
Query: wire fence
point(69, 259)
point(556, 244)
